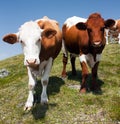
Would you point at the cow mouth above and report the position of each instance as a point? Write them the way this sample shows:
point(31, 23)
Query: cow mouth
point(97, 44)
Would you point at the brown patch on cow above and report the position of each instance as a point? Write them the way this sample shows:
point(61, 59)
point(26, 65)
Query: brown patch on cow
point(10, 38)
point(51, 42)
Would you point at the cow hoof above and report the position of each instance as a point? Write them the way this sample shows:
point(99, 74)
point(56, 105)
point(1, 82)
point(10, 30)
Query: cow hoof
point(63, 77)
point(83, 90)
point(97, 91)
point(44, 100)
point(74, 73)
point(95, 88)
point(27, 108)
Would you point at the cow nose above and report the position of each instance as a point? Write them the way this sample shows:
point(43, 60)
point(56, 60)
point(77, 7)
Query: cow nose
point(31, 61)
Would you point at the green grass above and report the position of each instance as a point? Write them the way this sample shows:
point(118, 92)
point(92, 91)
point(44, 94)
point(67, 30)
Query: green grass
point(66, 105)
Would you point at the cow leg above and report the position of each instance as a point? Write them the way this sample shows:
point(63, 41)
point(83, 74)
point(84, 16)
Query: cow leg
point(45, 80)
point(32, 83)
point(72, 59)
point(95, 86)
point(64, 60)
point(84, 73)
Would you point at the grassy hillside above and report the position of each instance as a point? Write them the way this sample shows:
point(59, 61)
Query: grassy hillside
point(66, 105)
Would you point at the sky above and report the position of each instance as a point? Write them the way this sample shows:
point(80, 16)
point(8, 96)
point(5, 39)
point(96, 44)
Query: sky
point(14, 13)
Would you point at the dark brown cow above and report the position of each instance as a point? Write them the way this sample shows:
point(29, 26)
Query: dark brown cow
point(85, 39)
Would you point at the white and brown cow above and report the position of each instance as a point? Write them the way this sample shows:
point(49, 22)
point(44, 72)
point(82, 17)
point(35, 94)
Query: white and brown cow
point(84, 39)
point(113, 34)
point(41, 41)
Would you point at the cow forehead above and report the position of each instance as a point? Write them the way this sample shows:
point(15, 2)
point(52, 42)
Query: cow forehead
point(74, 20)
point(95, 22)
point(30, 30)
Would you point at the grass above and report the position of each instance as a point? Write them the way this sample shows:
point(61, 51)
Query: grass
point(66, 105)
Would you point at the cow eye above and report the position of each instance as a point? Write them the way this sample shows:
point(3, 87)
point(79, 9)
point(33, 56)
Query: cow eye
point(22, 42)
point(89, 30)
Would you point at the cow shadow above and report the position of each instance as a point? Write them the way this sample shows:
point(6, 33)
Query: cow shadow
point(39, 111)
point(78, 78)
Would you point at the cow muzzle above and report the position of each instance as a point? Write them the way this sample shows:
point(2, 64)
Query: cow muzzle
point(31, 62)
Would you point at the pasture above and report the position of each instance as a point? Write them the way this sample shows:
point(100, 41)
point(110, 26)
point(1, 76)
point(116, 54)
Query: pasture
point(66, 105)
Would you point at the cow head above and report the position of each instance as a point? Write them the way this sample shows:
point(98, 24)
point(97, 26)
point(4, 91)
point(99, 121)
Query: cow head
point(95, 25)
point(30, 36)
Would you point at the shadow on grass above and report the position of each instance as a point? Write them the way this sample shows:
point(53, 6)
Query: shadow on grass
point(39, 111)
point(78, 77)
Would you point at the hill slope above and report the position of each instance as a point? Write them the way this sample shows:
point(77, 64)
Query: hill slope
point(66, 105)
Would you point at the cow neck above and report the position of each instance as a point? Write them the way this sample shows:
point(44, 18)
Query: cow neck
point(95, 50)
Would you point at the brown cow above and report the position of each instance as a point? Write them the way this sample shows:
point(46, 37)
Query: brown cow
point(86, 40)
point(41, 41)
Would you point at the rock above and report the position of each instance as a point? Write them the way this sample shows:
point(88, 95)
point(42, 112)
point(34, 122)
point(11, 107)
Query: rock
point(4, 73)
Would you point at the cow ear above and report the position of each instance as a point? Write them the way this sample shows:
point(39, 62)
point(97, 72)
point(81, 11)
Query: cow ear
point(109, 23)
point(81, 26)
point(49, 33)
point(10, 38)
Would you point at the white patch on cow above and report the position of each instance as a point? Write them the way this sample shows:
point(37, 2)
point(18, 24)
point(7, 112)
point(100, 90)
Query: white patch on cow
point(74, 20)
point(90, 59)
point(82, 58)
point(30, 36)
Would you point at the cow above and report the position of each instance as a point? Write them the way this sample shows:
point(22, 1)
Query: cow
point(86, 40)
point(113, 34)
point(41, 41)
